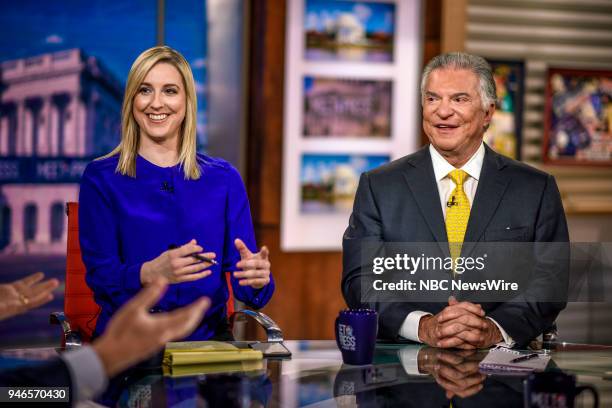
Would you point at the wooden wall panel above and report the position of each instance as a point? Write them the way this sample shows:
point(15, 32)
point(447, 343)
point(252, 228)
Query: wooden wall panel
point(453, 25)
point(433, 37)
point(308, 294)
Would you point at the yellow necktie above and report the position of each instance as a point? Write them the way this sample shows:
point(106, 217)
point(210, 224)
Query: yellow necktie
point(457, 213)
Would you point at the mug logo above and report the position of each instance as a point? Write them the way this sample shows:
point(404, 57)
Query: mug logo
point(549, 400)
point(346, 337)
point(347, 388)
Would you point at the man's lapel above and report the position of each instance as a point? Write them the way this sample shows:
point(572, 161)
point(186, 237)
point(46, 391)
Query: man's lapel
point(491, 188)
point(421, 181)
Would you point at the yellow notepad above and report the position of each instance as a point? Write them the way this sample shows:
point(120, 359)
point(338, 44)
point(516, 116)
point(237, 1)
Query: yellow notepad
point(207, 352)
point(212, 368)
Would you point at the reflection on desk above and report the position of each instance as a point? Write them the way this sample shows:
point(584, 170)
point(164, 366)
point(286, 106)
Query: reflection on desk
point(402, 375)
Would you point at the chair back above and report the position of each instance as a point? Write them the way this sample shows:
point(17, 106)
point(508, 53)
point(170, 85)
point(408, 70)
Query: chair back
point(79, 306)
point(229, 306)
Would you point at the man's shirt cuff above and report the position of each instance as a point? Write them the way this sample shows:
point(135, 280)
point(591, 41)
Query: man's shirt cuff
point(409, 357)
point(410, 328)
point(88, 375)
point(508, 341)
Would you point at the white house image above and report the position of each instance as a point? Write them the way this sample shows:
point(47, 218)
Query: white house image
point(349, 30)
point(57, 111)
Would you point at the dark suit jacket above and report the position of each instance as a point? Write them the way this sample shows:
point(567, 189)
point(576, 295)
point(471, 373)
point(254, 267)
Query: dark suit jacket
point(399, 202)
point(504, 392)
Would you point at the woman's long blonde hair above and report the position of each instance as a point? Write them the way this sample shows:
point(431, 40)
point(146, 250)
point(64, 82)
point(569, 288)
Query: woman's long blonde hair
point(130, 132)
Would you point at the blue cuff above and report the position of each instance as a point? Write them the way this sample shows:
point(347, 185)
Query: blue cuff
point(131, 279)
point(263, 295)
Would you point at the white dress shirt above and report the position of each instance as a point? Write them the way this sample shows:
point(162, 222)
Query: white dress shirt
point(410, 328)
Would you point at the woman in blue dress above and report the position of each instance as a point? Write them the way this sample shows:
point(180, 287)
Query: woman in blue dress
point(153, 202)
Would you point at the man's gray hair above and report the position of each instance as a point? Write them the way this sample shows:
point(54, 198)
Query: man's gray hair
point(462, 60)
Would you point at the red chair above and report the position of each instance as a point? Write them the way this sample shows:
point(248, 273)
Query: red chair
point(78, 320)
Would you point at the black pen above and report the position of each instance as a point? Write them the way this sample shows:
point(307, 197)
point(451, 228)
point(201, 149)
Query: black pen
point(525, 358)
point(197, 256)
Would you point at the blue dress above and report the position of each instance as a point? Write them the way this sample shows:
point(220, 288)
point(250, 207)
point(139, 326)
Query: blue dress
point(126, 221)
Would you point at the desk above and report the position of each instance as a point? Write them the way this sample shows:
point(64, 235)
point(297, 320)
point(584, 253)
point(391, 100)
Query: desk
point(315, 376)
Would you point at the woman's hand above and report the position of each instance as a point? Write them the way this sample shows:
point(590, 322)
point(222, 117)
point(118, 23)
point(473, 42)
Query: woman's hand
point(255, 267)
point(177, 265)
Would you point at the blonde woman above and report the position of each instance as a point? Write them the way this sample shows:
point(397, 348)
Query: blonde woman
point(154, 207)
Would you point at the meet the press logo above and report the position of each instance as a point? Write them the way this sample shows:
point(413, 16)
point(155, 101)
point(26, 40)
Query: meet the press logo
point(346, 337)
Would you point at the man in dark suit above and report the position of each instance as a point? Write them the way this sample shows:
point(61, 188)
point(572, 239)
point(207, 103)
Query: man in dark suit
point(456, 189)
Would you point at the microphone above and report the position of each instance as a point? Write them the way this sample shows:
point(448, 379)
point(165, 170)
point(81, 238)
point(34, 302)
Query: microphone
point(451, 202)
point(167, 187)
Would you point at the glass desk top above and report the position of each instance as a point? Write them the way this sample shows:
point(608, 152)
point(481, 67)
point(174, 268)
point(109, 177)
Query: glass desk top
point(401, 375)
point(404, 375)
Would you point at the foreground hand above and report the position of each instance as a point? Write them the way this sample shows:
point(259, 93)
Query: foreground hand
point(176, 265)
point(457, 372)
point(133, 334)
point(28, 293)
point(255, 267)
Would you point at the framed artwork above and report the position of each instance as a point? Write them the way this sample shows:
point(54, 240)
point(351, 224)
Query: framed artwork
point(578, 117)
point(349, 31)
point(328, 182)
point(335, 107)
point(351, 104)
point(505, 131)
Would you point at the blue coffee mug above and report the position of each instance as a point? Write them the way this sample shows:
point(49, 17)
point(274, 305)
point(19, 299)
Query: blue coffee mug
point(356, 335)
point(552, 389)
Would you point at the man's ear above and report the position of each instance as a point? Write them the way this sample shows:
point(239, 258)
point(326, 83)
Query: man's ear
point(489, 115)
